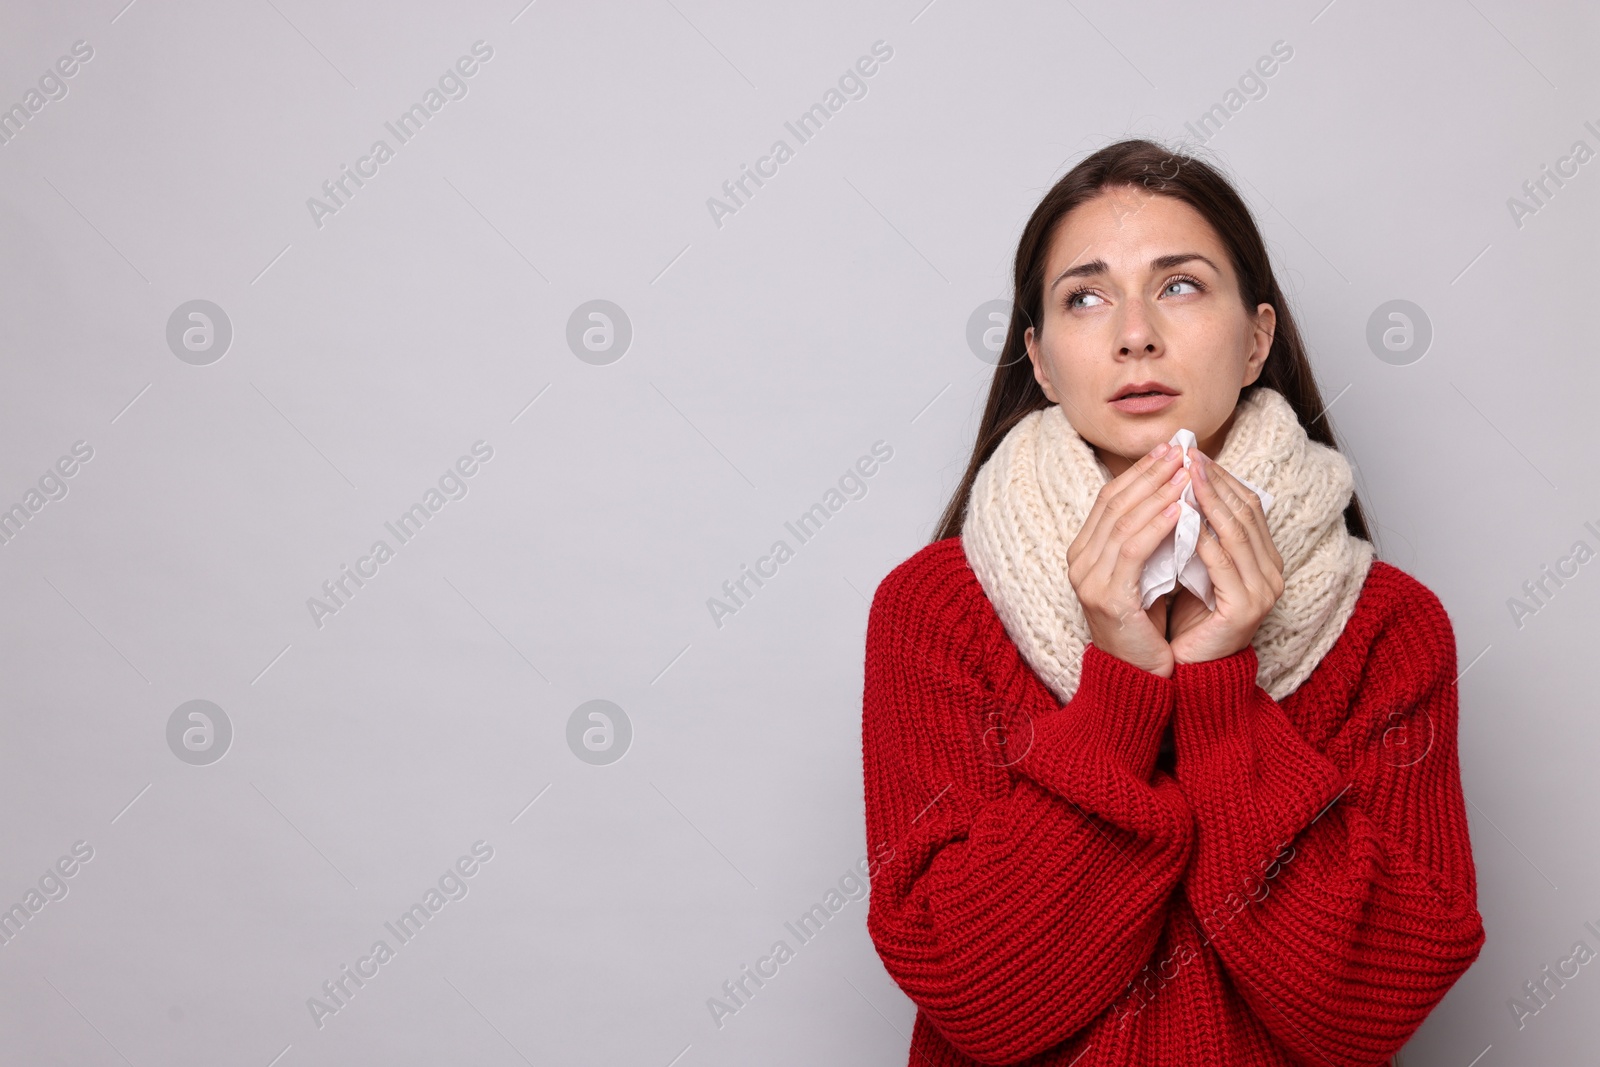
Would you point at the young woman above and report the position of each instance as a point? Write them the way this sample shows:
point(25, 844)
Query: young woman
point(1217, 823)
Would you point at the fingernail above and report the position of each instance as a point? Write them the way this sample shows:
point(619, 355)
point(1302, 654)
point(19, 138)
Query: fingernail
point(1160, 450)
point(1170, 510)
point(1178, 475)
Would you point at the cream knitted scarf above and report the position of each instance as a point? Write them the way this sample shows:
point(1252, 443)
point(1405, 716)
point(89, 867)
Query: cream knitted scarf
point(1032, 496)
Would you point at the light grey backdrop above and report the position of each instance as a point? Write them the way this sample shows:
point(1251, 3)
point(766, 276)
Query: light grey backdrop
point(444, 303)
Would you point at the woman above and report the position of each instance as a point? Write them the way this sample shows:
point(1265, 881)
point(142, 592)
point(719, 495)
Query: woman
point(1219, 823)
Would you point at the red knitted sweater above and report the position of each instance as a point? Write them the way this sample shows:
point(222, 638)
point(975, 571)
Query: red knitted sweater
point(1295, 887)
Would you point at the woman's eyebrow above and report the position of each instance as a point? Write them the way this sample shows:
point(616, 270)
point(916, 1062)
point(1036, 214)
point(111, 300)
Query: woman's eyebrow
point(1098, 266)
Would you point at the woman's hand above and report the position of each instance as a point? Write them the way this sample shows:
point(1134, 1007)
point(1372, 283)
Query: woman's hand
point(1245, 567)
point(1131, 515)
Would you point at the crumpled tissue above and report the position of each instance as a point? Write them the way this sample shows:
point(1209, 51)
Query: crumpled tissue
point(1175, 560)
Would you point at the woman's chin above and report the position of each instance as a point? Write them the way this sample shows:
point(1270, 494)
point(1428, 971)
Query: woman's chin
point(1134, 449)
point(1119, 458)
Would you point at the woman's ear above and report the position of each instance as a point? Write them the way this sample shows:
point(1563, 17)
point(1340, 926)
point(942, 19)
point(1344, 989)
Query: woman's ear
point(1261, 342)
point(1038, 367)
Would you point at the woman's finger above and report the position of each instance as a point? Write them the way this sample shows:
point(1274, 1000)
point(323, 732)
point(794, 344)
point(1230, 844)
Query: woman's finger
point(1230, 492)
point(1120, 551)
point(1268, 558)
point(1228, 516)
point(1119, 497)
point(1226, 580)
point(1125, 555)
point(1247, 504)
point(1107, 491)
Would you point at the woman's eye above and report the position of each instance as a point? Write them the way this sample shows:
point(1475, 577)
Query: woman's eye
point(1182, 281)
point(1084, 294)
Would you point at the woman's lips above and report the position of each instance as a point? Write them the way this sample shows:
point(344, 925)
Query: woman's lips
point(1143, 405)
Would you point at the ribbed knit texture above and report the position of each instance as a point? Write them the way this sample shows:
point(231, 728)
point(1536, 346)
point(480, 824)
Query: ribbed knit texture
point(1033, 494)
point(1297, 888)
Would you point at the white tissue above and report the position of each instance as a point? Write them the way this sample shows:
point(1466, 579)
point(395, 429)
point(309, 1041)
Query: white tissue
point(1175, 560)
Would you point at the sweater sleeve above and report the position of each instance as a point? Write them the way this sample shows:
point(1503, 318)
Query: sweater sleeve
point(1336, 886)
point(1016, 896)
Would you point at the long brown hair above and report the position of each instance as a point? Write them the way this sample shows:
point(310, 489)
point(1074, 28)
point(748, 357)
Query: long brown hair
point(1015, 392)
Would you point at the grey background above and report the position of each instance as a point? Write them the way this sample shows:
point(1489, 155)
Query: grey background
point(767, 355)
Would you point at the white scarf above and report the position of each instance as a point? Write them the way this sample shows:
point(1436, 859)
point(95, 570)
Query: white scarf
point(1032, 496)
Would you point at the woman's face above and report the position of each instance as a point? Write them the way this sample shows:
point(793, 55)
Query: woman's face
point(1139, 289)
